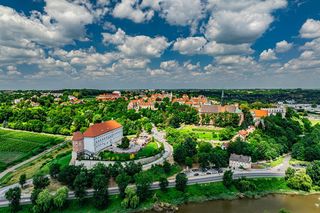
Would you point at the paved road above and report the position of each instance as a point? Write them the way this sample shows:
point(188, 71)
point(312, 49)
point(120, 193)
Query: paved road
point(13, 168)
point(191, 181)
point(168, 149)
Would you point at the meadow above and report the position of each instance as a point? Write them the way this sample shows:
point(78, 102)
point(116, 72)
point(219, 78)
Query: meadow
point(16, 146)
point(204, 133)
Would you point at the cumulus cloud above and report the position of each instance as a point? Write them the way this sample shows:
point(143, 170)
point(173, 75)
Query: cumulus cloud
point(268, 55)
point(283, 46)
point(131, 9)
point(137, 46)
point(190, 45)
point(199, 45)
point(310, 29)
point(182, 12)
point(240, 21)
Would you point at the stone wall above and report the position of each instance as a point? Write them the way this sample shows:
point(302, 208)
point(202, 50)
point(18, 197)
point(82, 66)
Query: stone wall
point(90, 163)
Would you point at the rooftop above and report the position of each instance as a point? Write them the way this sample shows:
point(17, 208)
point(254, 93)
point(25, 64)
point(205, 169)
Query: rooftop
point(101, 128)
point(240, 158)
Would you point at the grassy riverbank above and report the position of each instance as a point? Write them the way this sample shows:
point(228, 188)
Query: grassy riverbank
point(193, 193)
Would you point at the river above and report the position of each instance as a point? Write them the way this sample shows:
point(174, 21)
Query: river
point(268, 204)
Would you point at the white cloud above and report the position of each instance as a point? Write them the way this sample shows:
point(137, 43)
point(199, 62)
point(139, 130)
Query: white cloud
point(190, 45)
point(268, 55)
point(154, 4)
point(241, 21)
point(283, 46)
point(182, 12)
point(158, 72)
point(137, 46)
point(12, 70)
point(199, 45)
point(310, 29)
point(169, 65)
point(309, 59)
point(130, 9)
point(214, 48)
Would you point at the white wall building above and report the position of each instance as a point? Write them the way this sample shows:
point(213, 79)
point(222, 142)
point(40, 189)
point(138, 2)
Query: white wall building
point(239, 161)
point(97, 137)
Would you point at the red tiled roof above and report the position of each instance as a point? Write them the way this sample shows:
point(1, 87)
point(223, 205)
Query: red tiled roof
point(77, 136)
point(101, 128)
point(260, 113)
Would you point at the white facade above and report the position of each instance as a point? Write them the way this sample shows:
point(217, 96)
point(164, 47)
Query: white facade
point(238, 164)
point(98, 143)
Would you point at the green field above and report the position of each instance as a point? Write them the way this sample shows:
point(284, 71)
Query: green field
point(314, 121)
point(149, 150)
point(202, 133)
point(16, 146)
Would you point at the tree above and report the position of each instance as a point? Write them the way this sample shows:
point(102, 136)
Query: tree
point(100, 194)
point(244, 185)
point(68, 174)
point(43, 202)
point(313, 170)
point(60, 198)
point(124, 143)
point(13, 195)
point(79, 185)
point(181, 181)
point(143, 182)
point(290, 172)
point(166, 167)
point(131, 199)
point(34, 195)
point(40, 182)
point(204, 160)
point(123, 181)
point(22, 180)
point(300, 181)
point(227, 178)
point(188, 162)
point(163, 183)
point(54, 170)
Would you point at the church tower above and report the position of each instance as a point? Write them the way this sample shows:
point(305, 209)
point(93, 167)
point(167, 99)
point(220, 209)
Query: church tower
point(222, 97)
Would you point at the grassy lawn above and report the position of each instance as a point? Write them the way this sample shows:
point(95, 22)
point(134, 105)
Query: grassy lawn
point(149, 150)
point(276, 162)
point(203, 133)
point(16, 146)
point(40, 165)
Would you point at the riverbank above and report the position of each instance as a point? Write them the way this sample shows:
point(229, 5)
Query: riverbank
point(193, 193)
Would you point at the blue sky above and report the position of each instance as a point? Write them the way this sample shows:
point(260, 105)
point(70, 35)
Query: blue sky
point(109, 44)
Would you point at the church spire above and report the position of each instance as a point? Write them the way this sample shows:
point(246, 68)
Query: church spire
point(222, 97)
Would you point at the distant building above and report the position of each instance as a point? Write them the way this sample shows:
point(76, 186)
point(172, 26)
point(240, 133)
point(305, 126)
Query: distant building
point(210, 109)
point(109, 96)
point(259, 114)
point(239, 161)
point(97, 137)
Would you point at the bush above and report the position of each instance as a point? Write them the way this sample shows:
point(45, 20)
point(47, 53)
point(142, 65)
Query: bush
point(300, 181)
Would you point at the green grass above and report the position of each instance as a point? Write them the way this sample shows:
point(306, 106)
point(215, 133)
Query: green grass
point(276, 162)
point(61, 155)
point(204, 134)
point(16, 146)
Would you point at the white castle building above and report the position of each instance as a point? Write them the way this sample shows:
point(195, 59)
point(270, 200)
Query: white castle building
point(97, 137)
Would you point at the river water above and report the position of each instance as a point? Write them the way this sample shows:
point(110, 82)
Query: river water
point(268, 204)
